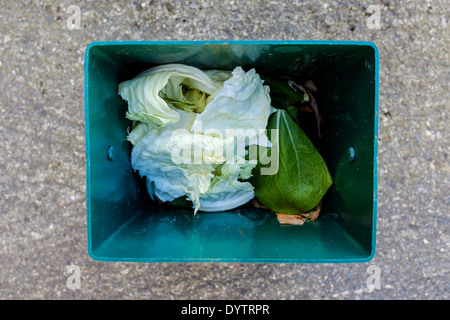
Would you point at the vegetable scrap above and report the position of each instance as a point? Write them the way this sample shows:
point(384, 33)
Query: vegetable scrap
point(215, 140)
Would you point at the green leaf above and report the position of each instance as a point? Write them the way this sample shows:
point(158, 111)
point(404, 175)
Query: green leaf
point(302, 178)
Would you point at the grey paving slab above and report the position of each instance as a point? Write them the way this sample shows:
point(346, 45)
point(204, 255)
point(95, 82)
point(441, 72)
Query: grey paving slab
point(42, 148)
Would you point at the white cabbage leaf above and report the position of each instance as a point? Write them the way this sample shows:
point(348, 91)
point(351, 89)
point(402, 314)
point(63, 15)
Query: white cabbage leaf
point(154, 95)
point(152, 156)
point(208, 179)
point(242, 103)
point(226, 190)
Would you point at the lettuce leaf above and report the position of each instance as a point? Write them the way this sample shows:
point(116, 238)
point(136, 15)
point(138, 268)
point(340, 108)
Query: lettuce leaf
point(154, 95)
point(242, 103)
point(152, 157)
point(210, 181)
point(227, 191)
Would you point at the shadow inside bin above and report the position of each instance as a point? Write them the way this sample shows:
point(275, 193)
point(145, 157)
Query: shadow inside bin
point(178, 232)
point(174, 234)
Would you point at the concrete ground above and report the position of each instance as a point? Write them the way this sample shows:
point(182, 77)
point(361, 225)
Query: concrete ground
point(42, 148)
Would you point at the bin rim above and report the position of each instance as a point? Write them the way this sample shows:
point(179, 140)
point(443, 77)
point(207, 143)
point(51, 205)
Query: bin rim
point(218, 42)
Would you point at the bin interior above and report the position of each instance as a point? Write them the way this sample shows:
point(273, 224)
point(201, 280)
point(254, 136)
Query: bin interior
point(125, 225)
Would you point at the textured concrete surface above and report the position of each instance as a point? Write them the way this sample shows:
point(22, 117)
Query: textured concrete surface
point(42, 148)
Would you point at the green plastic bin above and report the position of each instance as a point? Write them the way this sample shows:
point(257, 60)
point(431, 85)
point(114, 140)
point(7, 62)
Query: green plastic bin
point(124, 225)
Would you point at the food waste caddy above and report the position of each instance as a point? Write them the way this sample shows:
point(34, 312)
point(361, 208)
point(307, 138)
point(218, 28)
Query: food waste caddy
point(123, 224)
